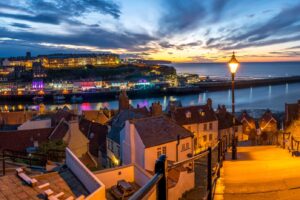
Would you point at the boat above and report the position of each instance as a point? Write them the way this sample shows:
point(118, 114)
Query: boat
point(59, 98)
point(76, 99)
point(38, 99)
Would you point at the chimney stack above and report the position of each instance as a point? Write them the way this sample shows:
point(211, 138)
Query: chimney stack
point(209, 103)
point(156, 109)
point(123, 101)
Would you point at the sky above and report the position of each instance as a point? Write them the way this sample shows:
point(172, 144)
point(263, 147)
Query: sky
point(174, 30)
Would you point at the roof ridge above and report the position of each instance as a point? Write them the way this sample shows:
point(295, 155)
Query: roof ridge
point(146, 117)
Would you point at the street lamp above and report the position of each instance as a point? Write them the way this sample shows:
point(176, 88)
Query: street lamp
point(233, 66)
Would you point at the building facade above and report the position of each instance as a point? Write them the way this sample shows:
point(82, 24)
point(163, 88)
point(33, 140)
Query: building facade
point(201, 120)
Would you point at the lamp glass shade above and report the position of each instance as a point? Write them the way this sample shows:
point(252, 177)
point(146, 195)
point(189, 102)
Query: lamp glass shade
point(233, 64)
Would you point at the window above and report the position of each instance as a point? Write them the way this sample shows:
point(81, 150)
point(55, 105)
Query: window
point(188, 114)
point(164, 150)
point(204, 138)
point(185, 146)
point(205, 127)
point(210, 137)
point(210, 126)
point(158, 152)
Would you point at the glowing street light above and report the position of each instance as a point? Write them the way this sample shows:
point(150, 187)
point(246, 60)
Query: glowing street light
point(233, 65)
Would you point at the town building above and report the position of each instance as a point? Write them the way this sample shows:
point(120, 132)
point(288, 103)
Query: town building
point(268, 127)
point(144, 140)
point(225, 125)
point(116, 125)
point(250, 126)
point(201, 120)
point(292, 113)
point(62, 60)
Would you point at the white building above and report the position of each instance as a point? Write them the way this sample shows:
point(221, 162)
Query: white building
point(144, 140)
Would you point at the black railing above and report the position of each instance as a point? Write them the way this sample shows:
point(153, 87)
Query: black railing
point(30, 159)
point(159, 180)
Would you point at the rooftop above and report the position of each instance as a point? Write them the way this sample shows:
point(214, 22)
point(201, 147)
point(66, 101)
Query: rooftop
point(12, 187)
point(152, 128)
point(193, 114)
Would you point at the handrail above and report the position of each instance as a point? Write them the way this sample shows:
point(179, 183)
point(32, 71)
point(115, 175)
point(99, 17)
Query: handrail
point(200, 155)
point(141, 193)
point(160, 178)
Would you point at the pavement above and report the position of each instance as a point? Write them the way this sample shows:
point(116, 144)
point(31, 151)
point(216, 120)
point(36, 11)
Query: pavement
point(260, 173)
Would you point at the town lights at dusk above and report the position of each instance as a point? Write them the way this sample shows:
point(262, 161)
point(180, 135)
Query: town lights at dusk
point(152, 100)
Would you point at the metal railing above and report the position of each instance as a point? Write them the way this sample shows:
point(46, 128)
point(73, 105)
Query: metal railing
point(286, 140)
point(159, 180)
point(30, 159)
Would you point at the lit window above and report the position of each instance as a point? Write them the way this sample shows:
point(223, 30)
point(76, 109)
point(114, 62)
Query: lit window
point(188, 114)
point(204, 138)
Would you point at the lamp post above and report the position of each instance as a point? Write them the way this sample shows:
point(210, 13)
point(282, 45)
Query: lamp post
point(233, 66)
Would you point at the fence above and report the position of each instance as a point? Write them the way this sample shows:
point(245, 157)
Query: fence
point(30, 159)
point(213, 157)
point(289, 142)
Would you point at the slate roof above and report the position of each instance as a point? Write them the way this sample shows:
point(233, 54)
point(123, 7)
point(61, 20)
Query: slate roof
point(60, 131)
point(159, 130)
point(62, 114)
point(96, 133)
point(198, 114)
point(118, 121)
point(225, 118)
point(267, 116)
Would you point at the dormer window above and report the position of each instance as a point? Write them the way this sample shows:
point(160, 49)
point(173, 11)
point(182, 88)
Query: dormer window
point(188, 114)
point(201, 112)
point(91, 135)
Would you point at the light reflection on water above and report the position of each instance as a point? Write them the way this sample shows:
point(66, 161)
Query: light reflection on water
point(273, 97)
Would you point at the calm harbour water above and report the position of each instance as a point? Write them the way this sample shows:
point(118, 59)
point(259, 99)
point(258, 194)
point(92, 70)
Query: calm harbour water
point(273, 97)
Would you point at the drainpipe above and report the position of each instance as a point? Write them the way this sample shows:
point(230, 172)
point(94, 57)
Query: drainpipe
point(177, 144)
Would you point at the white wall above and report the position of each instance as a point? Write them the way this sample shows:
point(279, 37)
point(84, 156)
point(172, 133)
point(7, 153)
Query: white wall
point(151, 153)
point(185, 182)
point(37, 124)
point(86, 177)
point(109, 177)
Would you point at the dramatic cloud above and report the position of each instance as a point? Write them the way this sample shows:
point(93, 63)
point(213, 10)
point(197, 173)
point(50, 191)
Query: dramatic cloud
point(182, 16)
point(178, 30)
point(20, 25)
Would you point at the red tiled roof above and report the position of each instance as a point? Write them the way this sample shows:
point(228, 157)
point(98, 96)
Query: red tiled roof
point(154, 131)
point(198, 114)
point(21, 139)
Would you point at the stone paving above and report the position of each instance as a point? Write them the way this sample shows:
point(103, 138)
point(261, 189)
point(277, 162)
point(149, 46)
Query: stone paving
point(261, 172)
